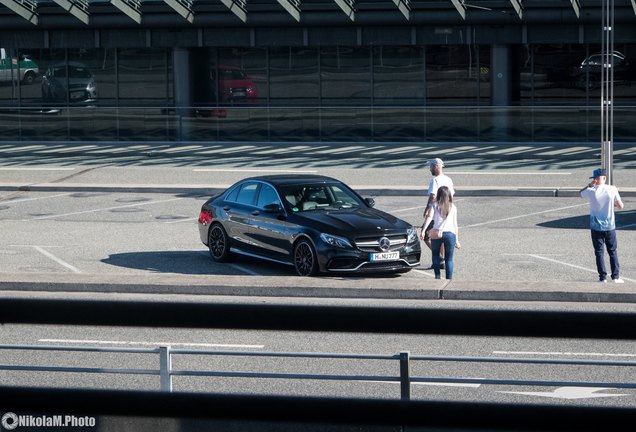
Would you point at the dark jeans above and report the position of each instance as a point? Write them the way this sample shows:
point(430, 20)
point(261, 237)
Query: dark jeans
point(607, 238)
point(448, 240)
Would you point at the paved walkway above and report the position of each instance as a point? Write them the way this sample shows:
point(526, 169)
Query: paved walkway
point(550, 169)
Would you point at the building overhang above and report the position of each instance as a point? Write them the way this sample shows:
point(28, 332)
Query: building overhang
point(132, 8)
point(183, 8)
point(25, 8)
point(237, 7)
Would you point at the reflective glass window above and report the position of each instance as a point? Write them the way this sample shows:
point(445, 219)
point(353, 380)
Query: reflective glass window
point(239, 76)
point(557, 77)
point(398, 75)
point(345, 74)
point(144, 77)
point(293, 76)
point(456, 74)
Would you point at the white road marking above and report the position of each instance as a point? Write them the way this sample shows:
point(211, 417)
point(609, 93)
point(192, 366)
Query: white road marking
point(572, 265)
point(424, 273)
point(143, 343)
point(442, 384)
point(542, 174)
point(524, 215)
point(571, 393)
point(407, 209)
point(56, 259)
point(181, 220)
point(36, 169)
point(103, 209)
point(10, 201)
point(557, 353)
point(292, 171)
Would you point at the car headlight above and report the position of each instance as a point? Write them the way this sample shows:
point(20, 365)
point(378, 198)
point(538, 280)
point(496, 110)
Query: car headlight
point(333, 240)
point(412, 235)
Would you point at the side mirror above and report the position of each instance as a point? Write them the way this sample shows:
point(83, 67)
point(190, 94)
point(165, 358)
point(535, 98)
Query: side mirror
point(370, 202)
point(273, 208)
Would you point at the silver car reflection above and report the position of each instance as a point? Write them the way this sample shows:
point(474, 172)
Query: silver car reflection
point(73, 82)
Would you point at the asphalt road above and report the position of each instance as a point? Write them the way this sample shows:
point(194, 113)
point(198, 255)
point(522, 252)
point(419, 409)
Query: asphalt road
point(503, 238)
point(339, 343)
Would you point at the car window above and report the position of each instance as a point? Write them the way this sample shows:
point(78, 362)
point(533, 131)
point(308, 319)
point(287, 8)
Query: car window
point(58, 72)
point(78, 72)
point(247, 193)
point(233, 194)
point(320, 197)
point(267, 196)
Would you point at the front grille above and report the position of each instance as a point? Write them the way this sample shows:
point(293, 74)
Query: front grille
point(385, 266)
point(372, 244)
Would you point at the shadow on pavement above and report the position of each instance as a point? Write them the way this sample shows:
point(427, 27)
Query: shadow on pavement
point(198, 262)
point(184, 262)
point(625, 221)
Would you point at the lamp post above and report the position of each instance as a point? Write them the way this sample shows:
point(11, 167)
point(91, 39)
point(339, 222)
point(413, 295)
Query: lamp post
point(607, 88)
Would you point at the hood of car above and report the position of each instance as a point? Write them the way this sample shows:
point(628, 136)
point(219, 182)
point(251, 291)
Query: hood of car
point(352, 222)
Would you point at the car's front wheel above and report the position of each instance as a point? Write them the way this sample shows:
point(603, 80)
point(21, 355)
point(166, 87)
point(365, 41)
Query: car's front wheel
point(305, 259)
point(218, 243)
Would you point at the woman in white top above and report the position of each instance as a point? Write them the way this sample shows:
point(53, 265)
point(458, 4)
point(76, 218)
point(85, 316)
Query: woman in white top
point(444, 216)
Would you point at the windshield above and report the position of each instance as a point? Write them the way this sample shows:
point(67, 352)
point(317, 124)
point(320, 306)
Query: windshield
point(301, 198)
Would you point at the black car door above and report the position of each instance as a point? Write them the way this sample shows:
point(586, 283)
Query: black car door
point(270, 230)
point(238, 208)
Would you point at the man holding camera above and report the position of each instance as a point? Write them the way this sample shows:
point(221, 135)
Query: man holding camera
point(603, 199)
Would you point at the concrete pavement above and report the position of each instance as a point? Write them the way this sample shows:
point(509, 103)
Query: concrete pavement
point(542, 170)
point(484, 169)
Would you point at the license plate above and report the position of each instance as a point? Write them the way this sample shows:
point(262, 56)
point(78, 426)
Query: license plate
point(385, 256)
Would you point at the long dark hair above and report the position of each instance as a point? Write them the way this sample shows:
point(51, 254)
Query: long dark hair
point(444, 200)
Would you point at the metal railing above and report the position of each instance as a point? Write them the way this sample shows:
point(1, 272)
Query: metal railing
point(166, 372)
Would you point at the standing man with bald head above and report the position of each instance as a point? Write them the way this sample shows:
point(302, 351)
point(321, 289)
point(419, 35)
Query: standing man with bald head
point(439, 179)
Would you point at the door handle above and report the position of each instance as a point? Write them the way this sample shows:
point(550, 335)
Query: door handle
point(227, 208)
point(256, 213)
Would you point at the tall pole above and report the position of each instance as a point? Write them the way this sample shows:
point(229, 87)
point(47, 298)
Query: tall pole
point(607, 89)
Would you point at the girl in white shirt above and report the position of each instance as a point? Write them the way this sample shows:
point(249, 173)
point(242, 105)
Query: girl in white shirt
point(445, 219)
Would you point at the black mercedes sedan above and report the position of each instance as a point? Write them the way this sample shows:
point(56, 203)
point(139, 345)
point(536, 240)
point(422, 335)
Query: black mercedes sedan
point(314, 223)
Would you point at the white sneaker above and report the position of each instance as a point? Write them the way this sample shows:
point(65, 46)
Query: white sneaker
point(618, 280)
point(602, 281)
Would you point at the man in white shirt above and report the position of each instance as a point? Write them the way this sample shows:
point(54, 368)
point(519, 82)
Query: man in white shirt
point(439, 179)
point(603, 199)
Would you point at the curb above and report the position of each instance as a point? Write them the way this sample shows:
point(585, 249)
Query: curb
point(389, 191)
point(582, 292)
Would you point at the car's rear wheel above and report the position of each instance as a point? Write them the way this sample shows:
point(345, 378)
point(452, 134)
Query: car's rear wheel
point(305, 259)
point(218, 243)
point(29, 78)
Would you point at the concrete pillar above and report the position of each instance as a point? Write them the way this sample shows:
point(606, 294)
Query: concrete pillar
point(182, 82)
point(501, 90)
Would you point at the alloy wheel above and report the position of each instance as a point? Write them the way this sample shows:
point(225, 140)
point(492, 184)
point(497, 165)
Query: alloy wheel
point(217, 243)
point(305, 259)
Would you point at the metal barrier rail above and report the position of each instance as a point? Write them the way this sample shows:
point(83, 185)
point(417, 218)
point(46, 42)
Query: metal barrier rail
point(166, 372)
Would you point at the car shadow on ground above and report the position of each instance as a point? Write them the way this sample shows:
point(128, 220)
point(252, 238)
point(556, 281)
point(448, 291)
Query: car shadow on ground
point(625, 221)
point(194, 262)
point(198, 262)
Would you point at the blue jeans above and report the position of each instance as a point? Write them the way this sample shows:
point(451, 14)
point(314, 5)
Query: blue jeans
point(448, 240)
point(607, 239)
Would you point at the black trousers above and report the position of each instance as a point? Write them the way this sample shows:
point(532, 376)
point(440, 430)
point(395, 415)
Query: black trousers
point(607, 239)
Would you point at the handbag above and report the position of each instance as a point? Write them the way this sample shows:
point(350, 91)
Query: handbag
point(437, 233)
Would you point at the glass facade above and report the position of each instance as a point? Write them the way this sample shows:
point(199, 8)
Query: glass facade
point(403, 93)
